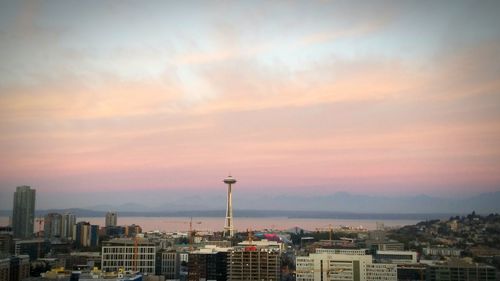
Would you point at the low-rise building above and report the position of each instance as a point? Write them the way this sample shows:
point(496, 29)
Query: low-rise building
point(326, 266)
point(397, 257)
point(458, 270)
point(128, 254)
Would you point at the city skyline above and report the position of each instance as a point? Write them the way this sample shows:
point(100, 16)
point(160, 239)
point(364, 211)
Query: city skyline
point(297, 98)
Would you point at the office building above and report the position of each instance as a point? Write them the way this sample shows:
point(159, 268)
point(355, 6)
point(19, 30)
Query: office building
point(111, 219)
point(254, 262)
point(410, 272)
point(385, 245)
point(23, 215)
point(14, 268)
point(348, 266)
point(122, 254)
point(132, 230)
point(442, 251)
point(169, 264)
point(34, 248)
point(397, 257)
point(458, 270)
point(4, 269)
point(209, 263)
point(85, 235)
point(6, 243)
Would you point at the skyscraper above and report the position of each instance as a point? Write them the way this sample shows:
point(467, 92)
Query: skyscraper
point(111, 219)
point(68, 220)
point(52, 225)
point(23, 215)
point(229, 226)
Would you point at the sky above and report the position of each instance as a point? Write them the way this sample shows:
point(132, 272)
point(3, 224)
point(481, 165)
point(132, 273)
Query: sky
point(114, 101)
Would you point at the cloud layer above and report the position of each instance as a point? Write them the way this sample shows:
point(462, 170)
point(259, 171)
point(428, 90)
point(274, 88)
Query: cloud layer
point(343, 99)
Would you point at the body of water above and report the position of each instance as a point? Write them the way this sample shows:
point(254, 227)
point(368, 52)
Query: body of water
point(173, 224)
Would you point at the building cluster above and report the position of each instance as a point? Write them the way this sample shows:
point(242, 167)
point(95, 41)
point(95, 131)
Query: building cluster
point(68, 249)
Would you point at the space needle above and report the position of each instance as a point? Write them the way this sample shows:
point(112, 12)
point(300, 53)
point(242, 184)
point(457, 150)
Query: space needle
point(229, 227)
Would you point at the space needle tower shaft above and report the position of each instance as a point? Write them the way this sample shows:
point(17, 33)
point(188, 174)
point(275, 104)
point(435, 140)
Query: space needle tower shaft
point(229, 226)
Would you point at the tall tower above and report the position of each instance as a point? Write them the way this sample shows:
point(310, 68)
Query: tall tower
point(23, 215)
point(229, 227)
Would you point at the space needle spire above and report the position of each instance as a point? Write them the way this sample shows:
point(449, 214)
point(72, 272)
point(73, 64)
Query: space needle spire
point(229, 226)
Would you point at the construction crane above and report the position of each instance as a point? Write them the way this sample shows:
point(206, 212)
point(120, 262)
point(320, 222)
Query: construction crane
point(330, 232)
point(192, 233)
point(250, 236)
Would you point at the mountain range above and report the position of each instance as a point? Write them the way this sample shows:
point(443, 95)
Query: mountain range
point(290, 205)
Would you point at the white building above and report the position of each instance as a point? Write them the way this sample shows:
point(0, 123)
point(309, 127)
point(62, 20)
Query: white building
point(359, 252)
point(447, 252)
point(121, 254)
point(331, 267)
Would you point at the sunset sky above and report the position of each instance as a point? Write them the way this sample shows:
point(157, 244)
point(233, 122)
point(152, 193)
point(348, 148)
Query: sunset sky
point(291, 97)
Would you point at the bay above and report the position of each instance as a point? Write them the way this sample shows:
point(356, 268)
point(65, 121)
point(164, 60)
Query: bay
point(209, 224)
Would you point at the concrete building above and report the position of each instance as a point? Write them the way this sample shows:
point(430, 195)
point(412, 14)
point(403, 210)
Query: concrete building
point(14, 268)
point(385, 245)
point(446, 252)
point(52, 225)
point(254, 262)
point(4, 269)
point(359, 252)
point(111, 219)
point(209, 263)
point(122, 254)
point(410, 272)
point(34, 248)
point(23, 215)
point(356, 266)
point(6, 243)
point(397, 257)
point(85, 235)
point(169, 264)
point(132, 230)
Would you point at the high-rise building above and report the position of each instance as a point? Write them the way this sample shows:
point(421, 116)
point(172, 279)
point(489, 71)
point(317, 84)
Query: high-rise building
point(229, 225)
point(111, 219)
point(52, 225)
point(123, 254)
point(68, 220)
point(23, 215)
point(85, 235)
point(327, 266)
